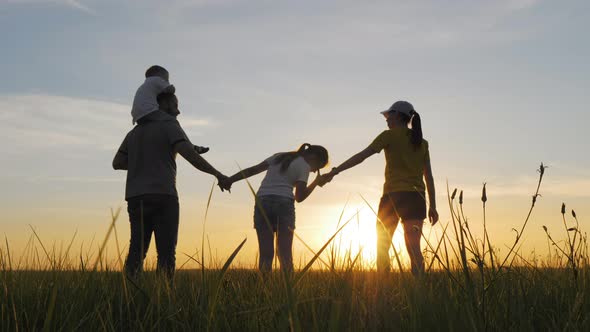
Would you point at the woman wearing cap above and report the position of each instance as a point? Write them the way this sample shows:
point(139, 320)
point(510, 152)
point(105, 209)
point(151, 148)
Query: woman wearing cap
point(407, 163)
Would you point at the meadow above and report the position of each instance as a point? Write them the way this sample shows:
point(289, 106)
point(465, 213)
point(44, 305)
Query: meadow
point(469, 286)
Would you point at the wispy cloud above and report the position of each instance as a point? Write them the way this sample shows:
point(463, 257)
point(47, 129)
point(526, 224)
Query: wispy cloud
point(191, 123)
point(37, 121)
point(75, 4)
point(44, 121)
point(76, 179)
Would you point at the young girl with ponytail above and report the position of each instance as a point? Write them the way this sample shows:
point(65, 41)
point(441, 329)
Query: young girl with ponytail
point(407, 163)
point(274, 212)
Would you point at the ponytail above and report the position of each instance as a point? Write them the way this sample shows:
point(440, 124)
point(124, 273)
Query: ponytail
point(286, 158)
point(416, 133)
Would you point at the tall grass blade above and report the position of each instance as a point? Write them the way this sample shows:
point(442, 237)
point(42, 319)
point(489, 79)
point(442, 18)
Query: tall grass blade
point(50, 309)
point(42, 247)
point(218, 283)
point(203, 234)
point(106, 238)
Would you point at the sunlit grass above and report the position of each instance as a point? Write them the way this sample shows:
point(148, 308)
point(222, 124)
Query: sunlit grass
point(469, 285)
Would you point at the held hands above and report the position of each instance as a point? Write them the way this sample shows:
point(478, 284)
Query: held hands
point(224, 183)
point(323, 179)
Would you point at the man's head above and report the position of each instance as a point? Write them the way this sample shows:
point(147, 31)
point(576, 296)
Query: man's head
point(168, 103)
point(158, 71)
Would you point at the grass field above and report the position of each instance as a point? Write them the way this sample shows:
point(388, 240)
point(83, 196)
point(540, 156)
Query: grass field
point(469, 286)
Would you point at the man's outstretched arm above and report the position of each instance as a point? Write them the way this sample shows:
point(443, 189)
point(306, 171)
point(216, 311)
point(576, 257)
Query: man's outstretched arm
point(187, 151)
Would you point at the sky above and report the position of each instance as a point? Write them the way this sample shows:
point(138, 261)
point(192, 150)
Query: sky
point(501, 87)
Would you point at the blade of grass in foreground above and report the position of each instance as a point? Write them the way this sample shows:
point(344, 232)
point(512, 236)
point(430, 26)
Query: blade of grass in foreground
point(203, 235)
point(8, 254)
point(218, 283)
point(317, 255)
point(42, 246)
point(106, 238)
point(50, 309)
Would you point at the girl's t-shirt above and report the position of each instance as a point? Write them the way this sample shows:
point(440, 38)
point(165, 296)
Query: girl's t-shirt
point(282, 183)
point(404, 165)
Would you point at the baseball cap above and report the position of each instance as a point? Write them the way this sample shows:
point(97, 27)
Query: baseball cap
point(401, 106)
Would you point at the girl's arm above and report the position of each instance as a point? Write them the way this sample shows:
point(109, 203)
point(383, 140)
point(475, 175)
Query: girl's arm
point(248, 172)
point(302, 190)
point(432, 213)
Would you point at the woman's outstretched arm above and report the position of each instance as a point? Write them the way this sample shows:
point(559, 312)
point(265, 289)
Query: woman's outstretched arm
point(351, 162)
point(429, 179)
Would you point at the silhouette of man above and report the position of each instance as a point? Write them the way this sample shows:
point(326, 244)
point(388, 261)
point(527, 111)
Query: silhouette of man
point(148, 153)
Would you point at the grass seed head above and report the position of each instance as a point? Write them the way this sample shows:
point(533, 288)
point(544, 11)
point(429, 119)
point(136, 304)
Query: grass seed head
point(562, 208)
point(461, 197)
point(541, 169)
point(453, 194)
point(574, 214)
point(484, 196)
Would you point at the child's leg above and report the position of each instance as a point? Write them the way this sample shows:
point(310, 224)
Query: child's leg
point(285, 246)
point(265, 247)
point(263, 215)
point(412, 236)
point(285, 211)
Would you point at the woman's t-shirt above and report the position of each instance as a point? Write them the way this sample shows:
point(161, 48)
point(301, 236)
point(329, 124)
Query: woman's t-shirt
point(282, 183)
point(404, 165)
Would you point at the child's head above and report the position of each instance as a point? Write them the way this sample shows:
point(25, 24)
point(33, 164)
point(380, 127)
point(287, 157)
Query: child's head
point(158, 71)
point(315, 155)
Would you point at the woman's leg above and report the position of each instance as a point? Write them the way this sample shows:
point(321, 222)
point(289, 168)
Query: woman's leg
point(412, 236)
point(386, 225)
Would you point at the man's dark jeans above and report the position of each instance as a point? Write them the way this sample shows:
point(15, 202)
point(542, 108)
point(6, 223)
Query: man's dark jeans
point(149, 214)
point(275, 214)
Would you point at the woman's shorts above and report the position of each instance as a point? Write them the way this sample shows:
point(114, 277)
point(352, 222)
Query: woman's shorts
point(407, 205)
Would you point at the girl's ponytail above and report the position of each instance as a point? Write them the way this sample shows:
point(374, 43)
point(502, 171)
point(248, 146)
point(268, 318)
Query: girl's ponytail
point(303, 148)
point(416, 136)
point(286, 158)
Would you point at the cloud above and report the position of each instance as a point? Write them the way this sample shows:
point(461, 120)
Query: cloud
point(190, 123)
point(76, 179)
point(37, 121)
point(351, 28)
point(45, 121)
point(75, 4)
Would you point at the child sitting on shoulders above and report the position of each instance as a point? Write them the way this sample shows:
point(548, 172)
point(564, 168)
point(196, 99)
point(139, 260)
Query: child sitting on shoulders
point(145, 100)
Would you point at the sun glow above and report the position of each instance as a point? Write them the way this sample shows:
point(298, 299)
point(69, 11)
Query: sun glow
point(359, 237)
